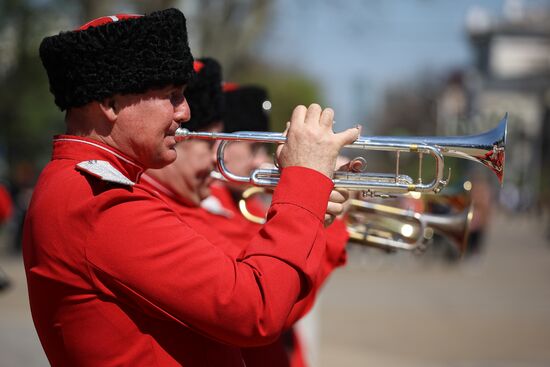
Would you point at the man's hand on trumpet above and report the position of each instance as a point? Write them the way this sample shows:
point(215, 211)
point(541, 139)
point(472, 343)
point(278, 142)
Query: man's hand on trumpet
point(337, 205)
point(311, 142)
point(338, 202)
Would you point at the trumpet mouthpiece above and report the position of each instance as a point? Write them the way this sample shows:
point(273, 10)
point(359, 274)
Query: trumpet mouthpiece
point(182, 134)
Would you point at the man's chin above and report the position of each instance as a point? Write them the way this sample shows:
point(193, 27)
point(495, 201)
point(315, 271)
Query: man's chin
point(167, 158)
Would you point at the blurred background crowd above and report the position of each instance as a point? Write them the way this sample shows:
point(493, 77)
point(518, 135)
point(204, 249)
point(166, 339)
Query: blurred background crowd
point(419, 67)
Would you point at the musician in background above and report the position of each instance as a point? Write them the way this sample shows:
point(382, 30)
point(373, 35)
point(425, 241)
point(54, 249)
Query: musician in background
point(244, 111)
point(115, 275)
point(247, 109)
point(183, 186)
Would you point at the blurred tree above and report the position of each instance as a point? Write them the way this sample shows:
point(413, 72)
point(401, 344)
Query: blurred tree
point(28, 114)
point(227, 30)
point(91, 9)
point(28, 117)
point(148, 6)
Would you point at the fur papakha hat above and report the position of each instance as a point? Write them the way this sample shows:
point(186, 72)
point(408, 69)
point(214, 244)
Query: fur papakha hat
point(205, 95)
point(118, 54)
point(246, 108)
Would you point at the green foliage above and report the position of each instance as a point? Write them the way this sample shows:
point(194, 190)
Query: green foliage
point(28, 114)
point(286, 91)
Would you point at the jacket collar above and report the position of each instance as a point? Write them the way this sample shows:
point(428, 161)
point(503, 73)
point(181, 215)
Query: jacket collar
point(82, 149)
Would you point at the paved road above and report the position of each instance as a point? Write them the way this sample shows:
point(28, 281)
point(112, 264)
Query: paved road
point(19, 345)
point(398, 310)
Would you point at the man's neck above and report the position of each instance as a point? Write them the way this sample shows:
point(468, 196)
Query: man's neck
point(86, 121)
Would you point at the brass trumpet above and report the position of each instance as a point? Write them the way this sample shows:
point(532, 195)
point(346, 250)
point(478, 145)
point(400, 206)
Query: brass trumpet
point(247, 194)
point(486, 148)
point(389, 227)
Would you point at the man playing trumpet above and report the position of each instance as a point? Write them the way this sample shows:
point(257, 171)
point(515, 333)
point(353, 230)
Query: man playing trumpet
point(115, 275)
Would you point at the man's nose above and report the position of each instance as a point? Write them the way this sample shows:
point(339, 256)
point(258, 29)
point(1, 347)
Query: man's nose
point(182, 112)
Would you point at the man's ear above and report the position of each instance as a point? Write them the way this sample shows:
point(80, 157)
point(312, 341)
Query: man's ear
point(109, 108)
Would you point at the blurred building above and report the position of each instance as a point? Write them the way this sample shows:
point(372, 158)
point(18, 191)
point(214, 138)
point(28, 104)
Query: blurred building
point(511, 73)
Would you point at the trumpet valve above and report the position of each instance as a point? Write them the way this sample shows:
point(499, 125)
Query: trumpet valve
point(358, 164)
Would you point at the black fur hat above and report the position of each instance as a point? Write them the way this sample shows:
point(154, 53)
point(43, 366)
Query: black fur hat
point(246, 108)
point(205, 95)
point(120, 54)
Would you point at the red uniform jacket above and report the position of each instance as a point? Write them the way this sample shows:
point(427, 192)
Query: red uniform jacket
point(230, 223)
point(225, 216)
point(224, 226)
point(117, 278)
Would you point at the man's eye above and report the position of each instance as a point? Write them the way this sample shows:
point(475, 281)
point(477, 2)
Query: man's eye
point(177, 97)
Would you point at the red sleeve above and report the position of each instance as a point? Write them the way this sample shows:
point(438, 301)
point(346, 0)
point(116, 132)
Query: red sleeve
point(140, 252)
point(337, 237)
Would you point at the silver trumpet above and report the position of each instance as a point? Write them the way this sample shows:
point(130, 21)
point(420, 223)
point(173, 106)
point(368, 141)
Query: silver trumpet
point(388, 227)
point(487, 148)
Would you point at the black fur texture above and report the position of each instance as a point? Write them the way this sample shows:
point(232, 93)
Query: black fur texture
point(205, 96)
point(244, 109)
point(124, 57)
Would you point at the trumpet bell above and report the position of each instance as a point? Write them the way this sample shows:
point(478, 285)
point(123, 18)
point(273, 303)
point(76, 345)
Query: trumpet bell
point(455, 227)
point(389, 227)
point(487, 148)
